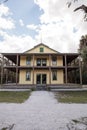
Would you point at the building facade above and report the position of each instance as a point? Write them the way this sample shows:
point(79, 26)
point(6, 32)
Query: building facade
point(41, 65)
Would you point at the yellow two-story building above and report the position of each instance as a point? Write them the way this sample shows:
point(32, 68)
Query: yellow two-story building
point(41, 65)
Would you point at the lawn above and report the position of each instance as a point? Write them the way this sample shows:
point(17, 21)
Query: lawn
point(14, 97)
point(72, 96)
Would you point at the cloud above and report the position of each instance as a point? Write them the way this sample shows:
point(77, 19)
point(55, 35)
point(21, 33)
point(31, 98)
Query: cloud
point(6, 22)
point(4, 11)
point(31, 26)
point(13, 43)
point(21, 22)
point(10, 42)
point(60, 27)
point(54, 36)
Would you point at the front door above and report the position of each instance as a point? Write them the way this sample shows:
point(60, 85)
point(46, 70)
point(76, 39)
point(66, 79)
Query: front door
point(41, 79)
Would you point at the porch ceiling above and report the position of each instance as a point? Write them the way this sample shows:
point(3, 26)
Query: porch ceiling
point(70, 58)
point(13, 56)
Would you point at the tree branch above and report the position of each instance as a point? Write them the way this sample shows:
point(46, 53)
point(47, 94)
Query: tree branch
point(83, 7)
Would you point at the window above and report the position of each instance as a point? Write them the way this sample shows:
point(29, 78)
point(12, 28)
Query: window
point(28, 75)
point(41, 62)
point(41, 49)
point(54, 60)
point(38, 62)
point(54, 75)
point(28, 60)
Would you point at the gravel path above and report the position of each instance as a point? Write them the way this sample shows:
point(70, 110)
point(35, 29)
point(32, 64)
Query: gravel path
point(40, 112)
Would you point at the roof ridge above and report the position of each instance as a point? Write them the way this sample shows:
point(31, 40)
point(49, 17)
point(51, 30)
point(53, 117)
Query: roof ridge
point(39, 45)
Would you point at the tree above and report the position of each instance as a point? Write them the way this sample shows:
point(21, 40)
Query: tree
point(82, 7)
point(83, 51)
point(3, 1)
point(84, 55)
point(70, 2)
point(83, 43)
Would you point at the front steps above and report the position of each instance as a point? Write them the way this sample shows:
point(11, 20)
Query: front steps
point(41, 87)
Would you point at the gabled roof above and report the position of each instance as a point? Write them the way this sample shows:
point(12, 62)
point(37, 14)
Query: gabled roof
point(41, 44)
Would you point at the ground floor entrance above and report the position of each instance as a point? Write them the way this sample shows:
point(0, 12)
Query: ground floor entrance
point(41, 79)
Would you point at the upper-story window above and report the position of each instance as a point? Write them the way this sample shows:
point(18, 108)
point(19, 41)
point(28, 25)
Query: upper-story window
point(38, 62)
point(28, 60)
point(54, 60)
point(44, 62)
point(41, 62)
point(41, 49)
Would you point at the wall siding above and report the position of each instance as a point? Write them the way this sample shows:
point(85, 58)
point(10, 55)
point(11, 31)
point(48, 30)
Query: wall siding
point(37, 50)
point(22, 77)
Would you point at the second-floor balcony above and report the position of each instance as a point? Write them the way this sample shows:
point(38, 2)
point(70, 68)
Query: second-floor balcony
point(43, 61)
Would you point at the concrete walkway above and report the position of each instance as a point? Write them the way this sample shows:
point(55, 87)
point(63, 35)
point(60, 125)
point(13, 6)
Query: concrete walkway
point(40, 112)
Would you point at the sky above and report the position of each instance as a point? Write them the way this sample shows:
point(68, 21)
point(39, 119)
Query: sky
point(26, 23)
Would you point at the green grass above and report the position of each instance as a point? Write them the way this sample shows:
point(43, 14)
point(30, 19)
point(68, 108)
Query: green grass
point(72, 97)
point(14, 97)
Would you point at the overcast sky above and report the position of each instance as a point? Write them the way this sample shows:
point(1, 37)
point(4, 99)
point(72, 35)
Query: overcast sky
point(26, 23)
